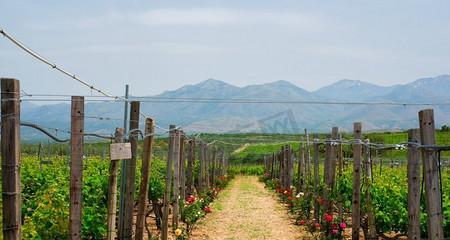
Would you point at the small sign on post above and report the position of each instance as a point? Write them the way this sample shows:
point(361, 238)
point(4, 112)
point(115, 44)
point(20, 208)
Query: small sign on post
point(119, 151)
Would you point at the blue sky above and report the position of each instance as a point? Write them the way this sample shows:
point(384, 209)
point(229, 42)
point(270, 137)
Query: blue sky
point(162, 45)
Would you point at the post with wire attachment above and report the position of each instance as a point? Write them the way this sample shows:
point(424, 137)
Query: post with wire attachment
point(431, 175)
point(413, 185)
point(190, 166)
point(125, 229)
point(76, 166)
point(356, 196)
point(143, 188)
point(166, 200)
point(112, 190)
point(10, 141)
point(316, 177)
point(176, 180)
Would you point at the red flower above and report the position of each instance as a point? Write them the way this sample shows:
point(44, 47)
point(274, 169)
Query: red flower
point(328, 217)
point(317, 226)
point(190, 199)
point(301, 222)
point(290, 198)
point(320, 200)
point(207, 210)
point(343, 225)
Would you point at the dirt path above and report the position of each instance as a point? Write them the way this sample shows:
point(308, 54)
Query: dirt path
point(245, 210)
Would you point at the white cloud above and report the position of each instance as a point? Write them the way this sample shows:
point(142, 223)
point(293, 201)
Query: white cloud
point(224, 16)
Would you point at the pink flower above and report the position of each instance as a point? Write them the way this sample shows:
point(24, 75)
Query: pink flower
point(343, 225)
point(334, 232)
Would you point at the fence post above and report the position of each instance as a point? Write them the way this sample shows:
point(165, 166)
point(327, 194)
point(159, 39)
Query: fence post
point(299, 169)
point(143, 188)
point(201, 174)
point(166, 200)
point(340, 203)
point(130, 181)
point(316, 176)
point(10, 141)
point(431, 171)
point(176, 180)
point(207, 166)
point(190, 166)
point(371, 230)
point(182, 167)
point(307, 158)
point(356, 197)
point(413, 185)
point(76, 166)
point(112, 189)
point(272, 165)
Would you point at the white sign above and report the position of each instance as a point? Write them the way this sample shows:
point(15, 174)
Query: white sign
point(119, 151)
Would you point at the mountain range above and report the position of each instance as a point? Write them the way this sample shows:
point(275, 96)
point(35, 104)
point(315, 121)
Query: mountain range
point(280, 107)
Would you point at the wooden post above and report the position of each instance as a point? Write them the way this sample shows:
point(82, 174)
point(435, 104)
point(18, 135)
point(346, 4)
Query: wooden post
point(212, 162)
point(272, 165)
point(290, 167)
point(431, 171)
point(282, 167)
point(340, 203)
point(166, 200)
point(190, 166)
point(307, 158)
point(143, 188)
point(10, 141)
point(413, 185)
point(201, 173)
point(316, 177)
point(182, 167)
point(76, 166)
point(371, 230)
point(176, 180)
point(356, 196)
point(299, 169)
point(130, 167)
point(112, 190)
point(207, 166)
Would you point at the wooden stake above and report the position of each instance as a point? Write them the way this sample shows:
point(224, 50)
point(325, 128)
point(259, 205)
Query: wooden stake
point(431, 171)
point(10, 141)
point(182, 167)
point(413, 185)
point(356, 196)
point(176, 180)
point(143, 188)
point(130, 181)
point(76, 167)
point(201, 174)
point(190, 166)
point(371, 230)
point(112, 190)
point(316, 177)
point(166, 200)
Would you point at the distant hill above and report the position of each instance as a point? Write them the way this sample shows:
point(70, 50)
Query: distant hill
point(213, 115)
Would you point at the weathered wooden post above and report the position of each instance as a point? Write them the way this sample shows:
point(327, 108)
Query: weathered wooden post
point(273, 162)
point(307, 158)
point(166, 200)
point(125, 230)
point(190, 166)
point(176, 180)
point(207, 166)
point(371, 230)
point(143, 188)
point(340, 163)
point(356, 196)
point(413, 184)
point(10, 141)
point(316, 177)
point(112, 189)
point(201, 174)
point(290, 168)
point(182, 167)
point(431, 171)
point(299, 168)
point(76, 167)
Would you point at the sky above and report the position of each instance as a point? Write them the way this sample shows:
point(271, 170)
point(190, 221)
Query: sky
point(162, 45)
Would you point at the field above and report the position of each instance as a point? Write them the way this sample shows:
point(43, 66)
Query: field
point(45, 182)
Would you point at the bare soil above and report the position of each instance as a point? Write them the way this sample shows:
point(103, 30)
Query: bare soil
point(245, 210)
